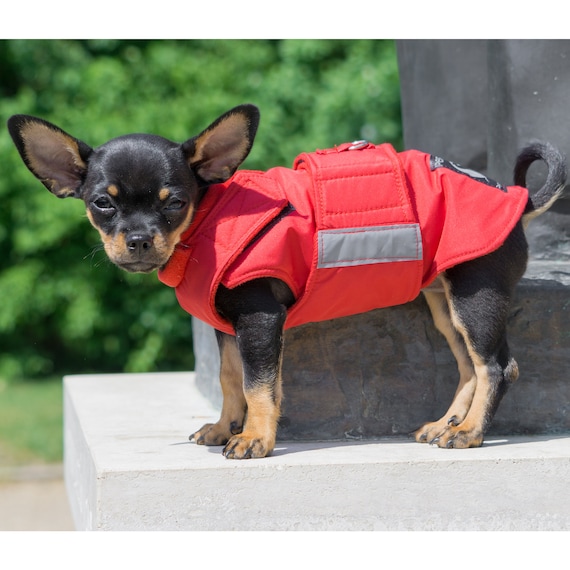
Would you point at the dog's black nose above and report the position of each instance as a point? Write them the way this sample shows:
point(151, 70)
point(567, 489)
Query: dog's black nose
point(139, 243)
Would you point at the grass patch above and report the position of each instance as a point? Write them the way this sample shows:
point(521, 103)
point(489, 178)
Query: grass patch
point(31, 422)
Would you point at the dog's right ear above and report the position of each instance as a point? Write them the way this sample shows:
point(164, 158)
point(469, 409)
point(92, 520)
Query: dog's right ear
point(57, 159)
point(216, 152)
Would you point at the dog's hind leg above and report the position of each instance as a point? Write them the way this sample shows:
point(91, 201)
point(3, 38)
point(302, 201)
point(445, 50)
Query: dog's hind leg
point(479, 294)
point(493, 365)
point(233, 399)
point(439, 307)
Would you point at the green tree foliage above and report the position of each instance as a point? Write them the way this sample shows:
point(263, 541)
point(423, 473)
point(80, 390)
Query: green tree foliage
point(64, 308)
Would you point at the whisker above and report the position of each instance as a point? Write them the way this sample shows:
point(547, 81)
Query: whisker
point(94, 251)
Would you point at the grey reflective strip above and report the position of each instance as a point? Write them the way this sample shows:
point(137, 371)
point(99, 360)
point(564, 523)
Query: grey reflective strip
point(362, 246)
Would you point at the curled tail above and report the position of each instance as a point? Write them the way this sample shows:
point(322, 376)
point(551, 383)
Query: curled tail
point(542, 199)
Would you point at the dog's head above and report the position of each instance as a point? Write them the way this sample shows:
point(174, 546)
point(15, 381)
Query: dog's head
point(140, 191)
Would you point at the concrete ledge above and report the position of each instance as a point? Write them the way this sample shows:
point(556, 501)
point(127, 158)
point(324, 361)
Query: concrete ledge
point(129, 466)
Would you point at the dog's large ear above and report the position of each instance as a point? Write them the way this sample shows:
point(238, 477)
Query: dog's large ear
point(216, 153)
point(57, 159)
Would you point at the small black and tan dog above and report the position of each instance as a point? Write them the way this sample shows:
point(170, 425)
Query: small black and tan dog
point(144, 194)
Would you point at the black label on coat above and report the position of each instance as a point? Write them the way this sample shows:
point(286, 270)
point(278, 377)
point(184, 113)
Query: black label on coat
point(437, 162)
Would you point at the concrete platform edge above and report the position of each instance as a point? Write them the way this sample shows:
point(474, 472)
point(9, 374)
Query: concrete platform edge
point(129, 466)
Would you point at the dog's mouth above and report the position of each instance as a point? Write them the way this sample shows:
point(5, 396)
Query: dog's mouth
point(138, 266)
point(139, 263)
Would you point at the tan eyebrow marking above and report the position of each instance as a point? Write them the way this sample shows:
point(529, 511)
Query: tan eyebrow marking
point(164, 194)
point(113, 190)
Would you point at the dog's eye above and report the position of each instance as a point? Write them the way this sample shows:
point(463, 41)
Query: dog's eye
point(174, 204)
point(104, 204)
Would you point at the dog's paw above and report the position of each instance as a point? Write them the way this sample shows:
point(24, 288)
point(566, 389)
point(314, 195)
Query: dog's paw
point(215, 434)
point(430, 431)
point(449, 434)
point(456, 437)
point(248, 446)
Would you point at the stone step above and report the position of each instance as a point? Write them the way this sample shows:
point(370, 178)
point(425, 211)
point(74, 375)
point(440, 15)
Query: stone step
point(129, 466)
point(389, 371)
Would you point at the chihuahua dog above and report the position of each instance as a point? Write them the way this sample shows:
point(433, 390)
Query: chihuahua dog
point(346, 230)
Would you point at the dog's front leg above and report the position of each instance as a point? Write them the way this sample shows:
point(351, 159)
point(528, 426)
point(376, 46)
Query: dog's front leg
point(258, 319)
point(233, 400)
point(259, 339)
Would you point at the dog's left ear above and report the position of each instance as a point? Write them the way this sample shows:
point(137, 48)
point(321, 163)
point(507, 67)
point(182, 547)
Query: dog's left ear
point(216, 152)
point(57, 159)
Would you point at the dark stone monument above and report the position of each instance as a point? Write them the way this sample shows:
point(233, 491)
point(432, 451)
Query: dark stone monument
point(478, 102)
point(387, 372)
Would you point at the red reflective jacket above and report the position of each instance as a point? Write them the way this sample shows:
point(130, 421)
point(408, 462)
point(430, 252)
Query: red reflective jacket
point(348, 229)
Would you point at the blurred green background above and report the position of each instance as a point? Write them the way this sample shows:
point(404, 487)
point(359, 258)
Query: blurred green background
point(64, 308)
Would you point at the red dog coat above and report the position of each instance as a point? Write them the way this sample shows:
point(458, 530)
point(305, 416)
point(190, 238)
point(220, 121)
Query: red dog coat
point(349, 229)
